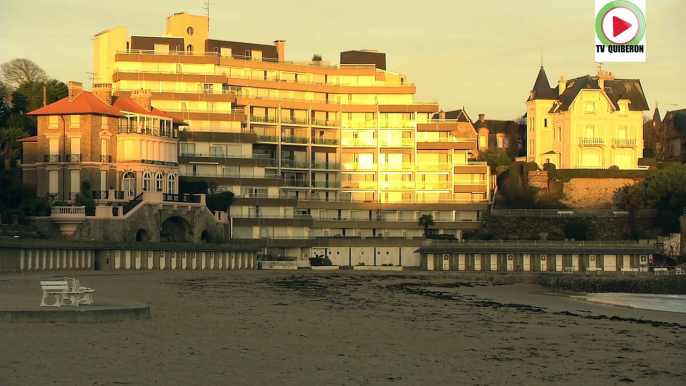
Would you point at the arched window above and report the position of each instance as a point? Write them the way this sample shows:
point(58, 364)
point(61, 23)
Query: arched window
point(171, 184)
point(147, 183)
point(128, 184)
point(159, 182)
point(189, 49)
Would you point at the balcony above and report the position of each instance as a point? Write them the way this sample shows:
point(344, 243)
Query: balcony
point(192, 198)
point(446, 139)
point(396, 185)
point(371, 124)
point(356, 166)
point(294, 183)
point(73, 157)
point(267, 138)
point(359, 185)
point(623, 142)
point(106, 159)
point(51, 158)
point(263, 119)
point(294, 139)
point(357, 142)
point(434, 166)
point(396, 124)
point(109, 195)
point(326, 165)
point(402, 142)
point(402, 166)
point(222, 155)
point(146, 130)
point(592, 141)
point(434, 185)
point(294, 121)
point(325, 141)
point(326, 184)
point(324, 123)
point(289, 163)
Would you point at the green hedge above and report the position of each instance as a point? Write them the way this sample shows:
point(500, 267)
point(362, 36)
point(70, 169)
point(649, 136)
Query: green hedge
point(647, 162)
point(568, 174)
point(665, 165)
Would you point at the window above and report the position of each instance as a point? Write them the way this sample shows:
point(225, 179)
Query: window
point(159, 182)
point(171, 184)
point(52, 188)
point(128, 184)
point(590, 132)
point(207, 88)
point(621, 132)
point(190, 31)
point(52, 122)
point(590, 108)
point(189, 49)
point(75, 183)
point(75, 147)
point(545, 122)
point(187, 148)
point(74, 122)
point(559, 134)
point(103, 180)
point(147, 183)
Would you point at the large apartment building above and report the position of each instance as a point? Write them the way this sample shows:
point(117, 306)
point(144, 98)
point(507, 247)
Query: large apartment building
point(590, 122)
point(309, 148)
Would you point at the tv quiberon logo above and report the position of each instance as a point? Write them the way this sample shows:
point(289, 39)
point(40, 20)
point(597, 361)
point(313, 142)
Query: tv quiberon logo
point(620, 30)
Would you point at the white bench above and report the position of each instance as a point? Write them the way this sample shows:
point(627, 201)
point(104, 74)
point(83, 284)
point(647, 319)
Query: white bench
point(568, 270)
point(629, 270)
point(65, 292)
point(85, 294)
point(594, 269)
point(663, 271)
point(679, 271)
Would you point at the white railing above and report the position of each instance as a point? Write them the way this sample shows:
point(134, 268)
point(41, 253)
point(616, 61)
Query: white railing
point(69, 210)
point(593, 141)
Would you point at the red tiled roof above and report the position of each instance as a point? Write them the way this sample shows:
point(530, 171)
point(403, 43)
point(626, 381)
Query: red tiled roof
point(87, 103)
point(84, 103)
point(29, 139)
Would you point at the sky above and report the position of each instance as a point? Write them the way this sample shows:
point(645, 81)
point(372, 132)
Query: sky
point(480, 55)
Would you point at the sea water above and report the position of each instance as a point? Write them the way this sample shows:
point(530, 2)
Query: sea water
point(670, 303)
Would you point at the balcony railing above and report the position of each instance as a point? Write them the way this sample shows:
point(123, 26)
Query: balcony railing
point(393, 185)
point(592, 141)
point(396, 124)
point(438, 185)
point(263, 119)
point(361, 185)
point(296, 183)
point(73, 157)
point(222, 155)
point(431, 166)
point(230, 175)
point(294, 139)
point(154, 131)
point(326, 165)
point(288, 163)
point(326, 123)
point(325, 141)
point(294, 121)
point(105, 195)
point(326, 184)
point(192, 198)
point(267, 138)
point(623, 142)
point(396, 166)
point(403, 142)
point(370, 124)
point(106, 158)
point(52, 158)
point(446, 139)
point(356, 166)
point(356, 142)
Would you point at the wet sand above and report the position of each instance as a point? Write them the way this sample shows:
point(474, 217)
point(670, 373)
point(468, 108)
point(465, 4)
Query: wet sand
point(345, 328)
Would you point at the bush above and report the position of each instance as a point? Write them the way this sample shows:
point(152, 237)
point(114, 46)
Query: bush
point(548, 167)
point(665, 165)
point(613, 167)
point(219, 202)
point(529, 167)
point(647, 162)
point(577, 229)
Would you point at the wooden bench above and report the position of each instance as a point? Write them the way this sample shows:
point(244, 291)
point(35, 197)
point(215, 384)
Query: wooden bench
point(594, 269)
point(680, 271)
point(629, 270)
point(663, 271)
point(65, 292)
point(568, 270)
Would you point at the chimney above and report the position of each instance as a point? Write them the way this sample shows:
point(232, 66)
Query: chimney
point(441, 115)
point(482, 118)
point(142, 98)
point(563, 84)
point(74, 89)
point(280, 49)
point(103, 91)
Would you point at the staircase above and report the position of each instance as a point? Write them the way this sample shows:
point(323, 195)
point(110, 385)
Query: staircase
point(132, 204)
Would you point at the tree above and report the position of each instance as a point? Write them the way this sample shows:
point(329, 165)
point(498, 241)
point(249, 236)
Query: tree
point(10, 149)
point(29, 95)
point(497, 158)
point(656, 141)
point(317, 58)
point(220, 201)
point(426, 220)
point(18, 71)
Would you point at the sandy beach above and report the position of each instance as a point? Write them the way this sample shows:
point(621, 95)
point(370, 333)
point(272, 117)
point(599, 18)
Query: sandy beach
point(344, 328)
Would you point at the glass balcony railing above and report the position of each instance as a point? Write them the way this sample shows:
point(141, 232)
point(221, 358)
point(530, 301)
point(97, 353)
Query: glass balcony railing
point(433, 185)
point(267, 138)
point(446, 139)
point(326, 165)
point(326, 184)
point(371, 124)
point(400, 142)
point(325, 141)
point(432, 166)
point(288, 163)
point(396, 185)
point(294, 121)
point(294, 139)
point(357, 142)
point(396, 166)
point(263, 119)
point(323, 122)
point(361, 185)
point(296, 183)
point(356, 166)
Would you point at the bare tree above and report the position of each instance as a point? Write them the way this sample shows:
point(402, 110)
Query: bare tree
point(18, 71)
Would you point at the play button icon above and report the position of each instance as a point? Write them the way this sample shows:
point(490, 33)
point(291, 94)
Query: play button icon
point(619, 26)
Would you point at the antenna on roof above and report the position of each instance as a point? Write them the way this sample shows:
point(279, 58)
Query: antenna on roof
point(541, 58)
point(600, 66)
point(207, 8)
point(91, 75)
point(674, 105)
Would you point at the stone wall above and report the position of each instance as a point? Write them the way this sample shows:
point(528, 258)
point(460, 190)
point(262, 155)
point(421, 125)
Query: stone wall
point(530, 228)
point(592, 192)
point(150, 219)
point(682, 221)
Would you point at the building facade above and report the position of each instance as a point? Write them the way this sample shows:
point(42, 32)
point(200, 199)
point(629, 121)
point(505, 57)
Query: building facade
point(121, 145)
point(310, 149)
point(591, 122)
